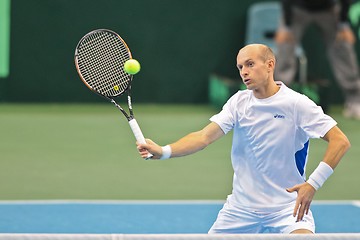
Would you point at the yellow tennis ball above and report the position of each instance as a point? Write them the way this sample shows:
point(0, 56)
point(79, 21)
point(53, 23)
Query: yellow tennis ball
point(132, 66)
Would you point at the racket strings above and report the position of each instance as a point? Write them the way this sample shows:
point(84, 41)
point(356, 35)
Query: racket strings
point(101, 57)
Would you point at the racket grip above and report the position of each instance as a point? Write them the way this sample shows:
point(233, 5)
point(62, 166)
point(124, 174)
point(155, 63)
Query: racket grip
point(138, 134)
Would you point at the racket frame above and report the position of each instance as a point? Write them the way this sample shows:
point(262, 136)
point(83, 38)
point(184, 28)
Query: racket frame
point(129, 116)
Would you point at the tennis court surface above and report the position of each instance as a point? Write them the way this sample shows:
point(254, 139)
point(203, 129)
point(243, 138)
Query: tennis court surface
point(123, 219)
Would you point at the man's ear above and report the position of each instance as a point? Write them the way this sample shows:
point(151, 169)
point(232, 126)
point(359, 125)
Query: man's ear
point(271, 65)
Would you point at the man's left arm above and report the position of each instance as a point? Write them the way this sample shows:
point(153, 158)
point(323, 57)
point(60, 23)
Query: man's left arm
point(338, 144)
point(345, 33)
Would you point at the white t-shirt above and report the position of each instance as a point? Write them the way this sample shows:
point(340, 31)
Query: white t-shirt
point(270, 145)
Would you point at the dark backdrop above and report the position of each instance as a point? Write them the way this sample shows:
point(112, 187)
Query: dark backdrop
point(178, 42)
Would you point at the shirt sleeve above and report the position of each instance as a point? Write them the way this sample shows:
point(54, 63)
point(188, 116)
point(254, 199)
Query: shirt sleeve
point(287, 11)
point(344, 11)
point(311, 118)
point(225, 118)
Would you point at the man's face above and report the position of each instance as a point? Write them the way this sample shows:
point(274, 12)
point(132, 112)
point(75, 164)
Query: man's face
point(253, 70)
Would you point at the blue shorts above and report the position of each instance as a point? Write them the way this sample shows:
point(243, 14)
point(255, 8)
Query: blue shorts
point(234, 220)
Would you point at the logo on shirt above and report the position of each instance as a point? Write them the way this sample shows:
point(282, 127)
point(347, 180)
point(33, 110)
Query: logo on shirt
point(279, 116)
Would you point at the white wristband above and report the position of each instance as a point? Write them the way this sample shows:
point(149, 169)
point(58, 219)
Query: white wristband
point(320, 174)
point(166, 152)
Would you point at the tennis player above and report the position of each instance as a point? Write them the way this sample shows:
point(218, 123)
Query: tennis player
point(272, 126)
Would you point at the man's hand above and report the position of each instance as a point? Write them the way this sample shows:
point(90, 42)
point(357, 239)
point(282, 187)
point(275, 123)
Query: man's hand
point(305, 195)
point(283, 36)
point(346, 35)
point(149, 147)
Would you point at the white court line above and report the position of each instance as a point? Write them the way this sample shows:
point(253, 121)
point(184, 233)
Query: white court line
point(158, 202)
point(357, 203)
point(336, 202)
point(135, 202)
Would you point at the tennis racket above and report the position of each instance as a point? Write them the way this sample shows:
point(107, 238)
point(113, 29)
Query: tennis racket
point(99, 59)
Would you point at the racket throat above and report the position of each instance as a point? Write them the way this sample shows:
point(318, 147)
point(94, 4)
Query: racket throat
point(122, 110)
point(130, 105)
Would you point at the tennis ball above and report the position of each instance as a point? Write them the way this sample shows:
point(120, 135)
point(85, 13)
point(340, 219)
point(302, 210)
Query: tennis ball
point(132, 66)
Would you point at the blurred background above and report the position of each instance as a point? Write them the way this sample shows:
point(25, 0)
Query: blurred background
point(179, 44)
point(60, 141)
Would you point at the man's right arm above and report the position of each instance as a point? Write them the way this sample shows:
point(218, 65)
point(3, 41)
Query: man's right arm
point(187, 145)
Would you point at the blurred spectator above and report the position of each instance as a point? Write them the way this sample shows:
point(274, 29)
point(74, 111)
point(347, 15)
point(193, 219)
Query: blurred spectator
point(331, 18)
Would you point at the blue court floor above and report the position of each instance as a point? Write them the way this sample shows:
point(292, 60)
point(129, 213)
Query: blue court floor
point(147, 217)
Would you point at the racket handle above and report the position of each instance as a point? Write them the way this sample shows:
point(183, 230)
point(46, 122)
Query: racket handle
point(138, 134)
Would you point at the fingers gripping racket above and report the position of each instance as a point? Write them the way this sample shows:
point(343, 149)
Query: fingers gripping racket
point(99, 59)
